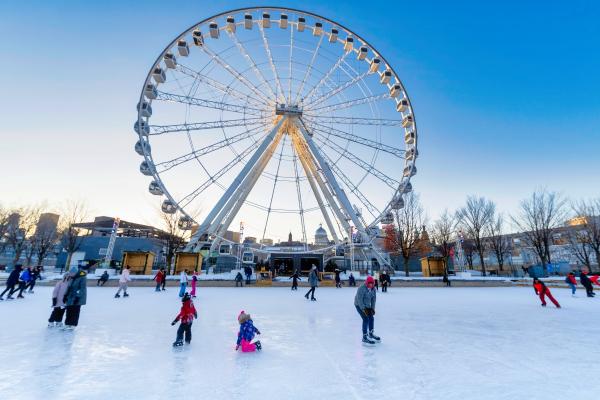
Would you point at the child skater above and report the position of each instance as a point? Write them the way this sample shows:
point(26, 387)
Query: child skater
point(246, 334)
point(295, 278)
point(572, 282)
point(542, 290)
point(186, 316)
point(58, 304)
point(194, 282)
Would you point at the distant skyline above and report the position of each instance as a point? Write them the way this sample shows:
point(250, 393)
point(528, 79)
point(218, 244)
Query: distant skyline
point(505, 96)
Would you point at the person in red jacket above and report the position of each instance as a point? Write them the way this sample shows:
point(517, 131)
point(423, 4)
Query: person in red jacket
point(186, 316)
point(159, 278)
point(594, 279)
point(542, 290)
point(572, 282)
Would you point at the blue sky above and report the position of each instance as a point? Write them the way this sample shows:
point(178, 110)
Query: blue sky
point(505, 94)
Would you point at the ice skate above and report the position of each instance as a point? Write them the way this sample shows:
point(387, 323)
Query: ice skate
point(20, 296)
point(51, 325)
point(313, 299)
point(117, 296)
point(59, 324)
point(178, 343)
point(366, 340)
point(374, 337)
point(30, 291)
point(68, 328)
point(258, 345)
point(1, 299)
point(125, 295)
point(306, 296)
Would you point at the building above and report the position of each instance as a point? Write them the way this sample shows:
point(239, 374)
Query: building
point(321, 239)
point(266, 242)
point(48, 222)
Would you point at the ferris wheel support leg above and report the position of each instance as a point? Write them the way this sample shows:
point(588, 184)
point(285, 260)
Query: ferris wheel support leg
point(341, 195)
point(313, 185)
point(233, 206)
point(203, 229)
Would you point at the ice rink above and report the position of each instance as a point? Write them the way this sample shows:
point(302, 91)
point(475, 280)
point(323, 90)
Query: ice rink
point(437, 343)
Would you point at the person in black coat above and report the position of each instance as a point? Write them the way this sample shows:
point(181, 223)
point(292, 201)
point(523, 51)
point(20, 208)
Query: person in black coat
point(12, 281)
point(351, 280)
point(295, 278)
point(586, 282)
point(248, 272)
point(338, 280)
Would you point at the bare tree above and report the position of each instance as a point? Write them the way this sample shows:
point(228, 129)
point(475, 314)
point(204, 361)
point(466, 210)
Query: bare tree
point(538, 218)
point(589, 214)
point(408, 222)
point(475, 218)
point(73, 212)
point(580, 247)
point(497, 241)
point(442, 233)
point(45, 238)
point(175, 238)
point(4, 225)
point(18, 234)
point(468, 247)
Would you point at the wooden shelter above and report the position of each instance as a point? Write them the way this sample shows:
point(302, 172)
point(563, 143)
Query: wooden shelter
point(187, 260)
point(433, 266)
point(139, 262)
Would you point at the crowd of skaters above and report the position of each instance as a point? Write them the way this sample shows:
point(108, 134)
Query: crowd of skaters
point(70, 294)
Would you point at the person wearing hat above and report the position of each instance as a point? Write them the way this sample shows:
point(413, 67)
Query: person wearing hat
point(246, 334)
point(76, 296)
point(186, 316)
point(364, 301)
point(313, 281)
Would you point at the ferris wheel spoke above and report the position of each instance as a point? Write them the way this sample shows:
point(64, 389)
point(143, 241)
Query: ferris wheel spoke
point(353, 188)
point(236, 74)
point(325, 77)
point(309, 69)
point(251, 61)
point(289, 99)
point(355, 121)
point(340, 88)
point(271, 62)
point(167, 165)
point(391, 182)
point(185, 201)
point(274, 186)
point(345, 104)
point(226, 89)
point(299, 194)
point(227, 123)
point(194, 101)
point(359, 139)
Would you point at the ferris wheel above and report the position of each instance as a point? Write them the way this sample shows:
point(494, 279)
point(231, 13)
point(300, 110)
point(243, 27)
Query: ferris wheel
point(279, 118)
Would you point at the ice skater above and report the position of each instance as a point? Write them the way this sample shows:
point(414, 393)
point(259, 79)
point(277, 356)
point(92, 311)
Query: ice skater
point(246, 334)
point(239, 279)
point(194, 282)
point(572, 282)
point(76, 297)
point(123, 282)
point(542, 290)
point(186, 317)
point(313, 281)
point(36, 273)
point(24, 279)
point(103, 279)
point(586, 282)
point(384, 281)
point(11, 282)
point(158, 278)
point(183, 281)
point(338, 280)
point(295, 278)
point(351, 280)
point(248, 272)
point(58, 302)
point(364, 301)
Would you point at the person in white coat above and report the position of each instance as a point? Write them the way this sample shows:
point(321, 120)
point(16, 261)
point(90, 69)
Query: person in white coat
point(183, 281)
point(123, 283)
point(58, 302)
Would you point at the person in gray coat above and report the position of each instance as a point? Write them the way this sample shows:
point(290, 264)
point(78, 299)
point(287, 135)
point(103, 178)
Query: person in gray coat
point(76, 296)
point(364, 301)
point(313, 281)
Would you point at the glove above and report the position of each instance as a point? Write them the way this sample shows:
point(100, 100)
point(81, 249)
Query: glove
point(76, 301)
point(257, 332)
point(237, 347)
point(54, 302)
point(173, 323)
point(373, 311)
point(368, 312)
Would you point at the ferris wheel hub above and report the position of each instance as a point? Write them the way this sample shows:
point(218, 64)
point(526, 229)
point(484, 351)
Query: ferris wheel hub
point(291, 110)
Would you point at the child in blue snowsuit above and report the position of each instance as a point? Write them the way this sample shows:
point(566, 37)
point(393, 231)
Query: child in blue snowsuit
point(246, 334)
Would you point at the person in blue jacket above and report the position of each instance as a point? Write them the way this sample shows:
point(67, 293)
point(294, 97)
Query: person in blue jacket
point(24, 279)
point(11, 282)
point(364, 301)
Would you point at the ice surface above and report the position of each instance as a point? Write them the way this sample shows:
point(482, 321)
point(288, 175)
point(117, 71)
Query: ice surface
point(438, 343)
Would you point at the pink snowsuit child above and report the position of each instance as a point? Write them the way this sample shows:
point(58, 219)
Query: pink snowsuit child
point(246, 334)
point(194, 280)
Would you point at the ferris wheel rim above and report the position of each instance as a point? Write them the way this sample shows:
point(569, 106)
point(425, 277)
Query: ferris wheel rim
point(404, 180)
